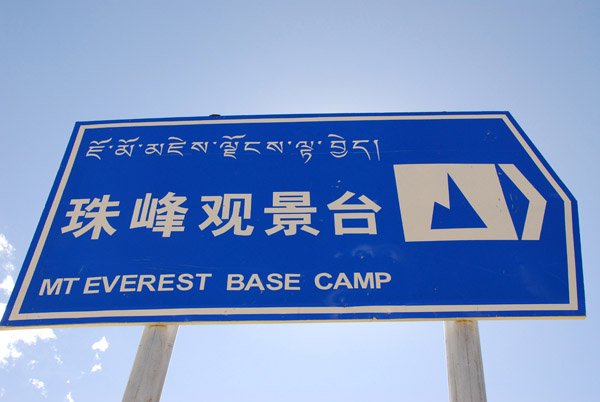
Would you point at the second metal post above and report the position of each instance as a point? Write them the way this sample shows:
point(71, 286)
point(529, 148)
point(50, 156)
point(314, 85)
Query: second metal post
point(464, 362)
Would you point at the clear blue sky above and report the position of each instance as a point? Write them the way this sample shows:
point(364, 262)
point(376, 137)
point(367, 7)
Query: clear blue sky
point(68, 61)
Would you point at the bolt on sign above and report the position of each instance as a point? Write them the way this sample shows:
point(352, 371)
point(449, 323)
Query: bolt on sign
point(302, 218)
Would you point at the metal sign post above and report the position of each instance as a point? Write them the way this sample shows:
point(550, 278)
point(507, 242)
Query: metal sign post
point(151, 364)
point(464, 362)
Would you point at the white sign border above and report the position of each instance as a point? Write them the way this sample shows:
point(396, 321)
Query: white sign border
point(572, 305)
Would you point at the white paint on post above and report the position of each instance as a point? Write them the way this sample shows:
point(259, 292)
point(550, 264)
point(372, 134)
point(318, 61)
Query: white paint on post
point(464, 362)
point(151, 364)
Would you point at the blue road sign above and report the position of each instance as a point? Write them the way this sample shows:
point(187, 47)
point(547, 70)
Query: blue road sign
point(302, 218)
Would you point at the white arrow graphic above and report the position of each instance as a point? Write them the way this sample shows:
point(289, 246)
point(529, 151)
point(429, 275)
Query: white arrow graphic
point(537, 203)
point(420, 186)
